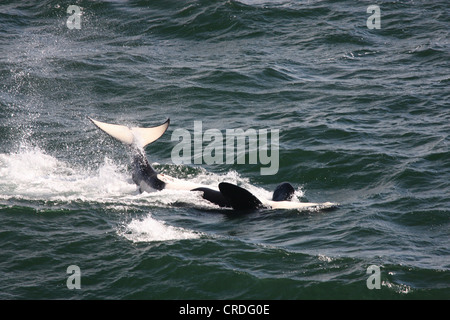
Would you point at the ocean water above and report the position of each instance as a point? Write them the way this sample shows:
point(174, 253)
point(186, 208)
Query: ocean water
point(363, 117)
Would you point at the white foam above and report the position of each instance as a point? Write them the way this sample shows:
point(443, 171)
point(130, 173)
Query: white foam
point(32, 174)
point(149, 229)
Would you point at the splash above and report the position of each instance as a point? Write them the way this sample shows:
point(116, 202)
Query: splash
point(31, 174)
point(149, 230)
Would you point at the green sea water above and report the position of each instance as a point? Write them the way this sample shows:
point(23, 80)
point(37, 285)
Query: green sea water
point(363, 117)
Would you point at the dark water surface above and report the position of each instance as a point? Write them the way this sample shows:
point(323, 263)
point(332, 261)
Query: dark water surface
point(364, 121)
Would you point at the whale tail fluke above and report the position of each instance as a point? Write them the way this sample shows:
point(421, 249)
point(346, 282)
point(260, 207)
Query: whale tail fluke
point(134, 135)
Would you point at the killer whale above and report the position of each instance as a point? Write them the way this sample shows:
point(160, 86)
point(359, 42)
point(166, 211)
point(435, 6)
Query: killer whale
point(227, 196)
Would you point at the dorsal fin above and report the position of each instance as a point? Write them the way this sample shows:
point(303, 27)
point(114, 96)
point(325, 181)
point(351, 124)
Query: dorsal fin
point(239, 198)
point(134, 135)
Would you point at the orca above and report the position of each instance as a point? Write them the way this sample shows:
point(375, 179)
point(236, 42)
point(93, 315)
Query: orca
point(226, 195)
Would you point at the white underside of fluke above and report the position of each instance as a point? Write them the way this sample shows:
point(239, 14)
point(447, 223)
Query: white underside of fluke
point(134, 135)
point(297, 205)
point(178, 184)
